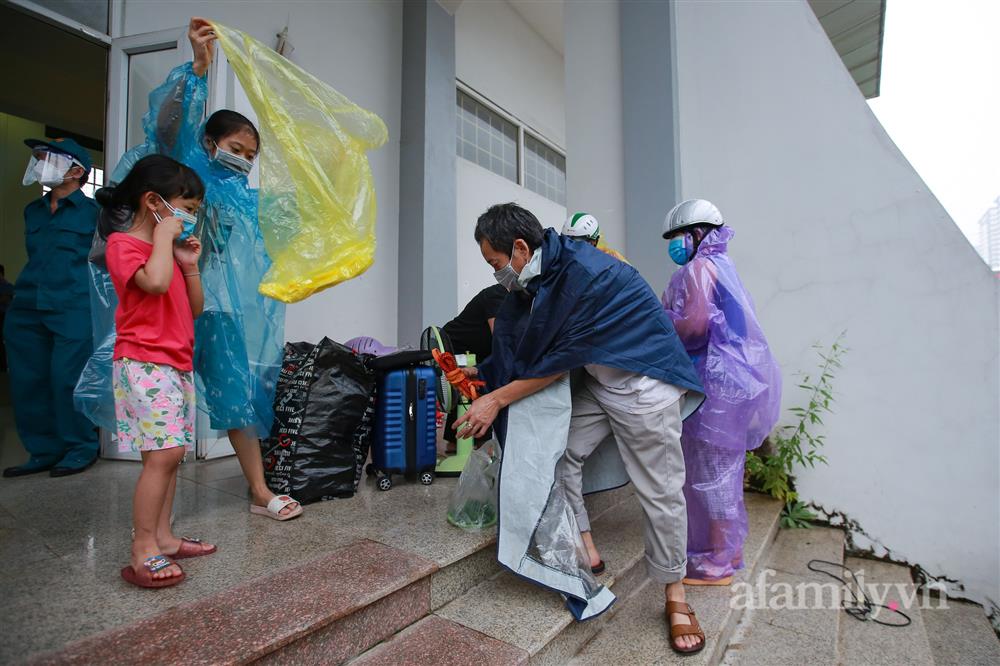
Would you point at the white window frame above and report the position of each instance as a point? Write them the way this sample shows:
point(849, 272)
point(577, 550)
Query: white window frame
point(522, 129)
point(121, 49)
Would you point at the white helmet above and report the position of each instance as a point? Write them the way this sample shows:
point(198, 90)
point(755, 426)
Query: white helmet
point(689, 213)
point(582, 225)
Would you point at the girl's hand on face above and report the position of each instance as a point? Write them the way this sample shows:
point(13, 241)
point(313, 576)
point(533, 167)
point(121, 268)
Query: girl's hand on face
point(187, 254)
point(167, 230)
point(202, 36)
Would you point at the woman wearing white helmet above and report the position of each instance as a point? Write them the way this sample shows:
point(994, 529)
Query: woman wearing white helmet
point(714, 317)
point(584, 226)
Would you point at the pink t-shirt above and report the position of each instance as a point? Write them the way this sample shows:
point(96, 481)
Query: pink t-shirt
point(153, 328)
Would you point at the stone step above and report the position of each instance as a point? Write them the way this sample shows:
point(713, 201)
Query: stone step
point(638, 633)
point(518, 613)
point(476, 565)
point(401, 560)
point(871, 643)
point(508, 620)
point(960, 634)
point(797, 618)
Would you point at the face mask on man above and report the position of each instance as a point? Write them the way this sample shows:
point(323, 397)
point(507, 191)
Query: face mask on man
point(507, 277)
point(189, 220)
point(232, 161)
point(681, 249)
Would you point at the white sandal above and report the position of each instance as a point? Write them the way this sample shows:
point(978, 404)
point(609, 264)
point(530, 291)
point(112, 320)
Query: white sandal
point(274, 507)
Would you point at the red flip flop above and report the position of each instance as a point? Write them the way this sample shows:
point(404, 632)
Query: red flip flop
point(191, 548)
point(144, 578)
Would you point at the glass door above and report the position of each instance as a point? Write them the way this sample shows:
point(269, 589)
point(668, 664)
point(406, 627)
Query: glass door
point(137, 65)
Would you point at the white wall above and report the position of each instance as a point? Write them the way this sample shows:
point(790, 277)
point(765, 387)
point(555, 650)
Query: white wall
point(835, 231)
point(503, 58)
point(506, 60)
point(595, 162)
point(478, 189)
point(356, 48)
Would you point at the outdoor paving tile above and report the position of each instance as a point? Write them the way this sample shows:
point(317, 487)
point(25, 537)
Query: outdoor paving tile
point(512, 610)
point(870, 643)
point(806, 606)
point(435, 640)
point(961, 635)
point(518, 612)
point(409, 516)
point(763, 513)
point(19, 549)
point(93, 517)
point(638, 633)
point(206, 471)
point(778, 646)
point(453, 580)
point(355, 633)
point(249, 621)
point(793, 549)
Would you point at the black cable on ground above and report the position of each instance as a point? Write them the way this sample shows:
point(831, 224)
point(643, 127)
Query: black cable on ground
point(860, 608)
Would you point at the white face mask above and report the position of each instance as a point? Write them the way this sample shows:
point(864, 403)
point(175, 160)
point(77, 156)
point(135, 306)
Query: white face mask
point(232, 161)
point(48, 169)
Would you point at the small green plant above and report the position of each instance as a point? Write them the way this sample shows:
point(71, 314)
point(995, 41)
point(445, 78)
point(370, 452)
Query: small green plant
point(796, 515)
point(797, 444)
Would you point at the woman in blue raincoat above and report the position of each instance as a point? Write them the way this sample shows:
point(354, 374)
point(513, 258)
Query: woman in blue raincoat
point(714, 317)
point(239, 338)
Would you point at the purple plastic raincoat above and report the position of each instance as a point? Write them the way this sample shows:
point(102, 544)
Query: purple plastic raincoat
point(715, 319)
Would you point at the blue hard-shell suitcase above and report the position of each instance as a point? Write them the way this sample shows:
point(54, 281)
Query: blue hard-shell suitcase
point(405, 425)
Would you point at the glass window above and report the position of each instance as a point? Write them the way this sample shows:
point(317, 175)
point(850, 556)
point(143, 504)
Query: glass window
point(485, 137)
point(95, 181)
point(545, 170)
point(91, 13)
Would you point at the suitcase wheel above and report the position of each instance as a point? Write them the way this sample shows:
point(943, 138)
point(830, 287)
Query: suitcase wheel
point(370, 469)
point(427, 478)
point(384, 482)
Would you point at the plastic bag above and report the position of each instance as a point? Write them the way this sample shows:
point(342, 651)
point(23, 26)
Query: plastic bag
point(473, 505)
point(556, 541)
point(317, 197)
point(93, 395)
point(322, 422)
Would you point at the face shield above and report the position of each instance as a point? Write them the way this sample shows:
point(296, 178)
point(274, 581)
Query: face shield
point(47, 168)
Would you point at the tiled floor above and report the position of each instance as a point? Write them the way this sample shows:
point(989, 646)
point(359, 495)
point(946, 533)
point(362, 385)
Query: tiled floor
point(63, 541)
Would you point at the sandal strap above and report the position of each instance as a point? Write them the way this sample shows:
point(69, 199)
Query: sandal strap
point(190, 539)
point(279, 502)
point(678, 630)
point(157, 563)
point(680, 607)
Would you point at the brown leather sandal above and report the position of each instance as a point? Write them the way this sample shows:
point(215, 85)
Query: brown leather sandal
point(678, 630)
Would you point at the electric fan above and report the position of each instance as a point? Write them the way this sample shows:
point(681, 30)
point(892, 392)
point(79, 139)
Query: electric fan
point(433, 339)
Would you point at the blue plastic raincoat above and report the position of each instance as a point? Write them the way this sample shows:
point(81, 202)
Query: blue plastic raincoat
point(714, 317)
point(239, 337)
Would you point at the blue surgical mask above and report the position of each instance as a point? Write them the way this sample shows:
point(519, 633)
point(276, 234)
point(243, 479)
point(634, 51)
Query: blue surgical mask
point(507, 277)
point(189, 220)
point(232, 161)
point(681, 249)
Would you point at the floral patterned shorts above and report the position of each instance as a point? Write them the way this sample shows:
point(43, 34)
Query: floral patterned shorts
point(154, 406)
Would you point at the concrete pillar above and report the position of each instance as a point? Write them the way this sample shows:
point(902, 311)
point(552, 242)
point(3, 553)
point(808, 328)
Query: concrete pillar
point(594, 144)
point(427, 171)
point(649, 131)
